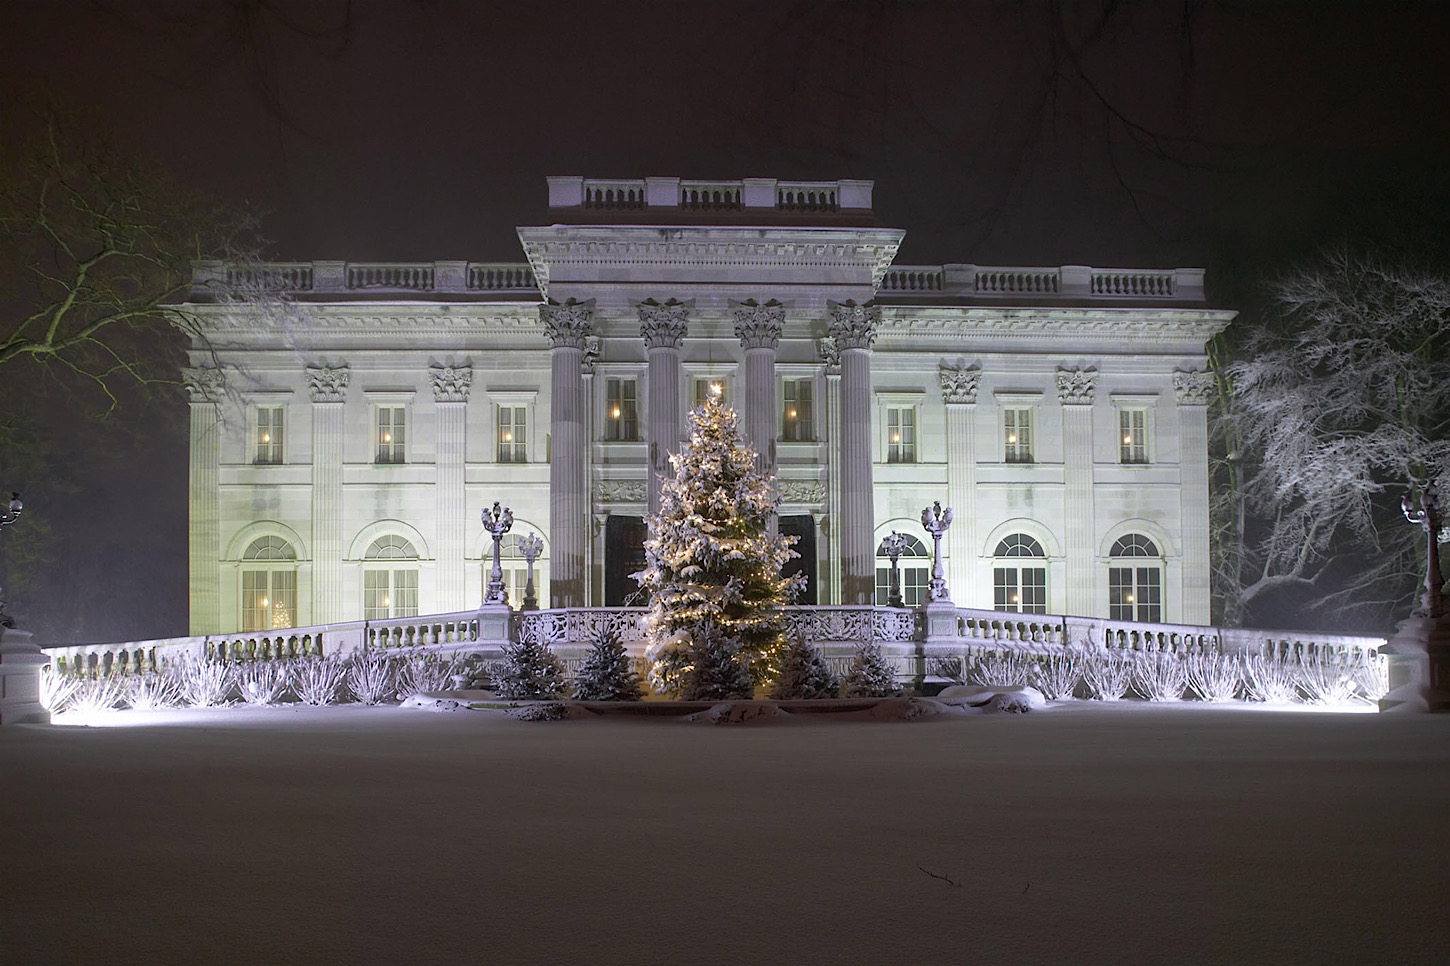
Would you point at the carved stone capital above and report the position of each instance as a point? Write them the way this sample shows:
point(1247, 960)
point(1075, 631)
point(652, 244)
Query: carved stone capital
point(327, 384)
point(203, 383)
point(593, 346)
point(830, 356)
point(853, 326)
point(758, 326)
point(1076, 387)
point(663, 324)
point(567, 324)
point(451, 384)
point(1194, 388)
point(958, 383)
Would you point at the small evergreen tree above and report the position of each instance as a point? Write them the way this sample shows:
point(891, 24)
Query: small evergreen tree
point(804, 674)
point(715, 672)
point(871, 675)
point(607, 673)
point(530, 672)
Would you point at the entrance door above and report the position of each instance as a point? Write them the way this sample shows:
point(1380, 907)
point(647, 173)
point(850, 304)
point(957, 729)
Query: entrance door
point(623, 555)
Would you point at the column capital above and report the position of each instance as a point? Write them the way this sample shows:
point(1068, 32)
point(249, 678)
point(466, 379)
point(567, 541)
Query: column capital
point(830, 356)
point(663, 324)
point(451, 383)
point(567, 324)
point(203, 383)
point(593, 346)
point(853, 326)
point(958, 383)
point(1076, 387)
point(1194, 388)
point(327, 384)
point(758, 325)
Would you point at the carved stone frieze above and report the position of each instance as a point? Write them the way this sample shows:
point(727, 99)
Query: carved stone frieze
point(1076, 387)
point(802, 491)
point(567, 324)
point(758, 326)
point(830, 356)
point(853, 326)
point(958, 383)
point(203, 383)
point(1194, 387)
point(451, 383)
point(327, 384)
point(621, 491)
point(663, 324)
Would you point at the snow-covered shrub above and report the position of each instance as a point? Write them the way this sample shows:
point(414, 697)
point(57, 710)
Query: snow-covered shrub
point(370, 678)
point(57, 688)
point(547, 711)
point(1213, 677)
point(262, 682)
point(426, 671)
point(1106, 674)
point(870, 675)
point(317, 680)
point(1327, 682)
point(204, 684)
point(998, 669)
point(952, 668)
point(717, 673)
point(804, 673)
point(607, 674)
point(153, 691)
point(530, 672)
point(1371, 677)
point(1160, 676)
point(1270, 680)
point(100, 693)
point(1056, 675)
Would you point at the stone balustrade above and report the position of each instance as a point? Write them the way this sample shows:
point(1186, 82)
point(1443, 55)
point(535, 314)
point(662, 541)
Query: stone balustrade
point(625, 194)
point(213, 280)
point(1067, 282)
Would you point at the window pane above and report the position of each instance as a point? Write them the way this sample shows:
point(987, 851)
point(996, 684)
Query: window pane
point(269, 434)
point(1005, 595)
point(405, 593)
point(392, 432)
point(1150, 602)
point(1120, 593)
point(901, 434)
point(796, 420)
point(376, 598)
point(1034, 590)
point(1017, 435)
point(255, 600)
point(621, 410)
point(284, 598)
point(914, 586)
point(702, 390)
point(512, 434)
point(1132, 436)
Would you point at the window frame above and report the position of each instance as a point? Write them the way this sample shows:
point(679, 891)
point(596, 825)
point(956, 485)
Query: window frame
point(388, 448)
point(1136, 580)
point(800, 427)
point(277, 573)
point(511, 436)
point(1018, 425)
point(276, 427)
point(1019, 589)
point(384, 569)
point(623, 428)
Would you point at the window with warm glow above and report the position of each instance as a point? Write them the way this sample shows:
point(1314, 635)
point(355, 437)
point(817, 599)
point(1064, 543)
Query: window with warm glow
point(797, 420)
point(1132, 436)
point(390, 590)
point(901, 434)
point(705, 387)
point(1135, 591)
point(269, 435)
point(392, 429)
point(513, 431)
point(269, 585)
point(1017, 435)
point(621, 409)
point(1019, 587)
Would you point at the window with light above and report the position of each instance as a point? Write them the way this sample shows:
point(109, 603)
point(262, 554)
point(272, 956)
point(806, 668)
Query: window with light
point(705, 387)
point(269, 585)
point(1019, 585)
point(1135, 580)
point(796, 416)
point(512, 434)
point(392, 432)
point(1132, 436)
point(621, 409)
point(1017, 435)
point(901, 434)
point(390, 579)
point(269, 435)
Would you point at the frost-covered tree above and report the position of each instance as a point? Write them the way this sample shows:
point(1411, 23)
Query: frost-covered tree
point(607, 673)
point(530, 672)
point(715, 671)
point(870, 675)
point(1333, 408)
point(804, 674)
point(711, 556)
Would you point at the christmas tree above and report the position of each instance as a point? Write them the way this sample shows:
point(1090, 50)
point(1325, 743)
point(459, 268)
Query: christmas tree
point(607, 674)
point(710, 556)
point(804, 674)
point(715, 671)
point(530, 672)
point(870, 676)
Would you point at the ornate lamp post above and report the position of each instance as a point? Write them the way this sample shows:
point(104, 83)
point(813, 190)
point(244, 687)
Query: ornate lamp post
point(531, 546)
point(497, 522)
point(936, 521)
point(895, 546)
point(1418, 655)
point(1432, 601)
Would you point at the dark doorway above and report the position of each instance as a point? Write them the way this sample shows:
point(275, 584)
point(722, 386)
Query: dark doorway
point(803, 527)
point(623, 555)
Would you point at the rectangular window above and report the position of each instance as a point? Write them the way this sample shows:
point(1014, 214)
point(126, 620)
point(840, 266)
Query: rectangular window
point(915, 582)
point(269, 599)
point(1132, 435)
point(1135, 594)
point(269, 434)
point(621, 409)
point(391, 434)
point(1017, 435)
point(1020, 589)
point(901, 434)
point(797, 420)
point(389, 593)
point(703, 386)
point(513, 432)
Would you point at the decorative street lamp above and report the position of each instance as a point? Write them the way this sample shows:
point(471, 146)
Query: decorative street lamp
point(497, 522)
point(936, 520)
point(531, 546)
point(1432, 601)
point(895, 546)
point(11, 512)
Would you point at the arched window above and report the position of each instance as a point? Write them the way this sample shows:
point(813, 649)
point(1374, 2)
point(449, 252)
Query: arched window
point(915, 573)
point(516, 570)
point(269, 585)
point(390, 587)
point(1135, 590)
point(1019, 585)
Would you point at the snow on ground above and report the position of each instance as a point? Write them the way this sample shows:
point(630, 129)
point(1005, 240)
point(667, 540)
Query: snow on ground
point(1085, 833)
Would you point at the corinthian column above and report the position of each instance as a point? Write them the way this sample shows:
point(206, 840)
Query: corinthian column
point(450, 399)
point(567, 326)
point(959, 394)
point(1075, 391)
point(328, 388)
point(853, 328)
point(663, 328)
point(1194, 391)
point(758, 329)
point(204, 386)
point(831, 576)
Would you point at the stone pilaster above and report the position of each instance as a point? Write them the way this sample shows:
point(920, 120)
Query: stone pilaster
point(1194, 391)
point(567, 327)
point(853, 329)
point(663, 327)
point(1076, 389)
point(959, 395)
point(451, 387)
point(830, 551)
point(758, 328)
point(328, 388)
point(204, 386)
point(593, 550)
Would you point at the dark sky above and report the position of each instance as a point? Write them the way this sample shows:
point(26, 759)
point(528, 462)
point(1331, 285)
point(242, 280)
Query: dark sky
point(1227, 135)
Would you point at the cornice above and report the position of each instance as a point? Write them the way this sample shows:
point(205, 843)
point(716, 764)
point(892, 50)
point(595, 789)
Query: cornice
point(1154, 324)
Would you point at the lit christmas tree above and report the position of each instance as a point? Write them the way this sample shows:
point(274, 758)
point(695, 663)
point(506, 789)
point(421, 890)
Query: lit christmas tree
point(805, 674)
point(607, 674)
point(711, 559)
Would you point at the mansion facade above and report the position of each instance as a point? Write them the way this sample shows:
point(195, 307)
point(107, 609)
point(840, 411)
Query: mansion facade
point(346, 434)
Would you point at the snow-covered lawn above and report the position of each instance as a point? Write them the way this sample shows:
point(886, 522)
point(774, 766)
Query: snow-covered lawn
point(1086, 833)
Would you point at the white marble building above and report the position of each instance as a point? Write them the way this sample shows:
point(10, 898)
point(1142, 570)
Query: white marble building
point(344, 441)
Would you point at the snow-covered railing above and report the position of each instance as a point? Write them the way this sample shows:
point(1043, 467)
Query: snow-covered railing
point(581, 625)
point(1043, 284)
point(629, 194)
point(215, 279)
point(430, 631)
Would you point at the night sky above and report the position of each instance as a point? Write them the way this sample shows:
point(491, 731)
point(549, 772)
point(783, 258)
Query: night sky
point(1235, 136)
